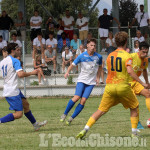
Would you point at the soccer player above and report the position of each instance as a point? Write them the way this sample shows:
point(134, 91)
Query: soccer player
point(118, 90)
point(91, 66)
point(140, 64)
point(11, 69)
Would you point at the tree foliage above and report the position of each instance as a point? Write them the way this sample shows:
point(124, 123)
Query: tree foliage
point(55, 7)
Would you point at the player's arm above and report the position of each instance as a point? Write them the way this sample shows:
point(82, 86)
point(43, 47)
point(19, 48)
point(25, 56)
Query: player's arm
point(68, 71)
point(134, 76)
point(98, 74)
point(22, 74)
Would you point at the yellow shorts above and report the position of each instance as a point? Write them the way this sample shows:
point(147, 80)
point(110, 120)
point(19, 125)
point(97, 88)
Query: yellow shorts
point(118, 93)
point(136, 87)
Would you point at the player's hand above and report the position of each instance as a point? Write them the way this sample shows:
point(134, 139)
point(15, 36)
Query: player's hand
point(145, 85)
point(66, 75)
point(148, 86)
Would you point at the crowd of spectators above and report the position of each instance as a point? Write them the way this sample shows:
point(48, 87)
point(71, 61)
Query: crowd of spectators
point(60, 38)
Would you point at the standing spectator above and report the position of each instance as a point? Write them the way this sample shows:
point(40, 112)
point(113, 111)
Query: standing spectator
point(38, 46)
point(50, 27)
point(14, 40)
point(66, 58)
point(104, 24)
point(3, 44)
point(38, 65)
point(110, 43)
point(20, 24)
point(82, 24)
point(60, 28)
point(75, 43)
point(5, 25)
point(136, 46)
point(35, 24)
point(63, 42)
point(143, 20)
point(50, 57)
point(139, 36)
point(51, 40)
point(68, 22)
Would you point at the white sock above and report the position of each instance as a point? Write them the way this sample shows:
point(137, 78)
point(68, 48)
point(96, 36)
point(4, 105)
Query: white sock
point(134, 130)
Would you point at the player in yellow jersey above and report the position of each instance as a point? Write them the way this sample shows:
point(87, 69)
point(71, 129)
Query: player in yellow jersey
point(118, 89)
point(140, 64)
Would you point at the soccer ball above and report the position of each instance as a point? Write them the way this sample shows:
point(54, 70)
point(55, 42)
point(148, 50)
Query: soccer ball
point(148, 123)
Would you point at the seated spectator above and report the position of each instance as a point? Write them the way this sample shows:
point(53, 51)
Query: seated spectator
point(60, 28)
point(80, 50)
point(75, 43)
point(63, 42)
point(136, 46)
point(51, 40)
point(110, 43)
point(38, 46)
point(39, 65)
point(14, 40)
point(139, 36)
point(6, 24)
point(50, 27)
point(50, 57)
point(66, 59)
point(3, 44)
point(35, 24)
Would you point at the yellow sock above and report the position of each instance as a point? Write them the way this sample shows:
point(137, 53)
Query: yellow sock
point(134, 122)
point(148, 103)
point(138, 113)
point(90, 122)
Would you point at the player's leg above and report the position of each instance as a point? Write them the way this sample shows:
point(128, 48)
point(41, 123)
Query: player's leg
point(78, 94)
point(86, 93)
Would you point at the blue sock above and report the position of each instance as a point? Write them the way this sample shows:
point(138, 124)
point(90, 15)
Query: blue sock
point(69, 106)
point(77, 110)
point(7, 118)
point(30, 117)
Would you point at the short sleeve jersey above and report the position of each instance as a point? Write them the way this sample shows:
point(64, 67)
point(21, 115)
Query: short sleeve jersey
point(9, 67)
point(117, 62)
point(89, 67)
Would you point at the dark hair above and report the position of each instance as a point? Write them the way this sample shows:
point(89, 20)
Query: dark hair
point(141, 5)
point(1, 36)
point(36, 10)
point(39, 33)
point(52, 33)
point(63, 33)
point(92, 40)
point(11, 46)
point(14, 34)
point(143, 45)
point(121, 38)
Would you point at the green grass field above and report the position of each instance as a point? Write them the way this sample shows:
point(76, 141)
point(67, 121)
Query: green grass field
point(19, 134)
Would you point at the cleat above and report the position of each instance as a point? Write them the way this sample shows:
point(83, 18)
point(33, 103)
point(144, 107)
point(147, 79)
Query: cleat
point(38, 125)
point(69, 121)
point(135, 135)
point(62, 118)
point(139, 126)
point(81, 134)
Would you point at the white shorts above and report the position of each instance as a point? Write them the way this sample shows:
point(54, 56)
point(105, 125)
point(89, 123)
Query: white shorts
point(103, 32)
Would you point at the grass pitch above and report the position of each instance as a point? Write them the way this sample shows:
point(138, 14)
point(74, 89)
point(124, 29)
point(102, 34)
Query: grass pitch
point(19, 134)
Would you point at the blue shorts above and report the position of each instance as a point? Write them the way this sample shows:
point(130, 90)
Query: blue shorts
point(83, 90)
point(15, 102)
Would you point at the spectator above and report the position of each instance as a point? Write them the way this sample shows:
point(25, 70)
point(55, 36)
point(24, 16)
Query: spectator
point(38, 46)
point(104, 24)
point(50, 57)
point(139, 36)
point(51, 40)
point(75, 43)
point(136, 46)
point(20, 24)
point(35, 23)
point(128, 50)
point(14, 40)
point(60, 28)
point(66, 58)
point(68, 22)
point(50, 27)
point(143, 20)
point(3, 44)
point(63, 42)
point(82, 24)
point(5, 25)
point(110, 43)
point(39, 65)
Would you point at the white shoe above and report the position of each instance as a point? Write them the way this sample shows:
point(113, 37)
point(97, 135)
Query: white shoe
point(40, 83)
point(45, 79)
point(38, 125)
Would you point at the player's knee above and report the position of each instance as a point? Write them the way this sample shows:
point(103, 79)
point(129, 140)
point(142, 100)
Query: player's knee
point(83, 100)
point(18, 114)
point(75, 98)
point(26, 106)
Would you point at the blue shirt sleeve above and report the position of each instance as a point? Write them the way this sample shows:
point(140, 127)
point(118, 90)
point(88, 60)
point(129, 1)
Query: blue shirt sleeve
point(16, 64)
point(77, 60)
point(71, 44)
point(100, 60)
